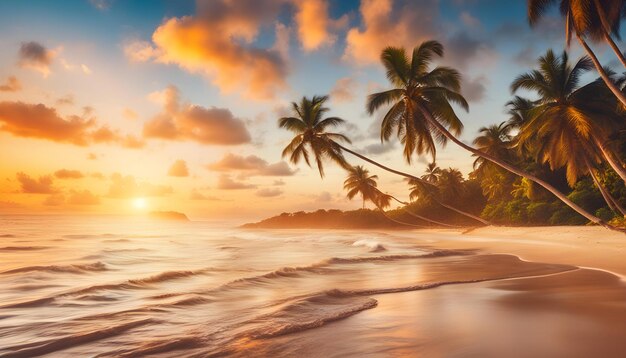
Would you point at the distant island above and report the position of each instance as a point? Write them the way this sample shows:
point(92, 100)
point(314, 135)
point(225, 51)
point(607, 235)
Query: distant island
point(328, 219)
point(397, 219)
point(168, 215)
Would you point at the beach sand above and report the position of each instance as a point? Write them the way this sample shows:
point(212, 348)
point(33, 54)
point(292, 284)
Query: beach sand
point(582, 246)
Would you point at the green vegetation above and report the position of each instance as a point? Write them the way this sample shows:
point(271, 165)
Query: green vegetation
point(558, 159)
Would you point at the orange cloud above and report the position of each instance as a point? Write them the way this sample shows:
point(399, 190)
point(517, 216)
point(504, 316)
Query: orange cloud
point(12, 85)
point(268, 192)
point(43, 185)
point(217, 42)
point(178, 169)
point(251, 165)
point(35, 56)
point(68, 174)
point(39, 121)
point(67, 99)
point(204, 125)
point(344, 89)
point(313, 23)
point(404, 24)
point(225, 182)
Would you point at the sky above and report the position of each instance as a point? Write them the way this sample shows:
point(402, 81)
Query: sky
point(123, 107)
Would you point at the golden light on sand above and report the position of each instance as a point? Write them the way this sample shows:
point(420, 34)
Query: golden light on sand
point(140, 203)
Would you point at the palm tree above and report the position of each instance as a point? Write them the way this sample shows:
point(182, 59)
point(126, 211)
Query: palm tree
point(450, 184)
point(609, 12)
point(569, 123)
point(432, 173)
point(311, 138)
point(360, 182)
point(518, 109)
point(497, 141)
point(583, 18)
point(494, 140)
point(310, 129)
point(420, 107)
point(419, 191)
point(494, 184)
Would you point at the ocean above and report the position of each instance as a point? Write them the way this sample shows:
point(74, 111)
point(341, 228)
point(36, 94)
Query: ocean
point(133, 287)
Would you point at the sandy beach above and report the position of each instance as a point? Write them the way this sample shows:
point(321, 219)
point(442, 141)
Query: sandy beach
point(582, 246)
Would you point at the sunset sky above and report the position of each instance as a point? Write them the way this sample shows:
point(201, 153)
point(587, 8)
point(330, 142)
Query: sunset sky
point(115, 107)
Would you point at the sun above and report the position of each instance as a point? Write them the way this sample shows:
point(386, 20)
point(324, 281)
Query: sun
point(140, 203)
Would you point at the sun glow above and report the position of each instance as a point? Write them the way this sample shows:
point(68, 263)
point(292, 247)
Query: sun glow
point(140, 203)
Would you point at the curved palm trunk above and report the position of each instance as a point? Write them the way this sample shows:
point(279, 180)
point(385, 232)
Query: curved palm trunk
point(611, 202)
point(613, 162)
point(399, 222)
point(415, 178)
point(606, 27)
point(616, 49)
point(419, 216)
point(519, 172)
point(620, 96)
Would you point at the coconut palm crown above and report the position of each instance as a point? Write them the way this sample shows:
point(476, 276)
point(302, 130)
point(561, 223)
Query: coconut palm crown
point(359, 181)
point(567, 119)
point(311, 136)
point(417, 86)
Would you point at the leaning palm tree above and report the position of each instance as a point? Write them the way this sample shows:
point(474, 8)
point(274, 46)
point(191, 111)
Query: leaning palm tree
point(564, 109)
point(311, 131)
point(421, 110)
point(585, 19)
point(413, 214)
point(311, 138)
point(613, 203)
point(360, 182)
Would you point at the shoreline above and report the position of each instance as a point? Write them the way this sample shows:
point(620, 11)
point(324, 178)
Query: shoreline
point(582, 246)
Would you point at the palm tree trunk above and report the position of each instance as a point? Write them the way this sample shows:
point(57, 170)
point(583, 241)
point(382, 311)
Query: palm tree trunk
point(616, 49)
point(613, 162)
point(620, 96)
point(611, 202)
point(399, 222)
point(519, 172)
point(428, 185)
point(606, 27)
point(419, 216)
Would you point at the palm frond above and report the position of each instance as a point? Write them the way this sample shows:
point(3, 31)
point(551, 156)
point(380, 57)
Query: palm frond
point(377, 100)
